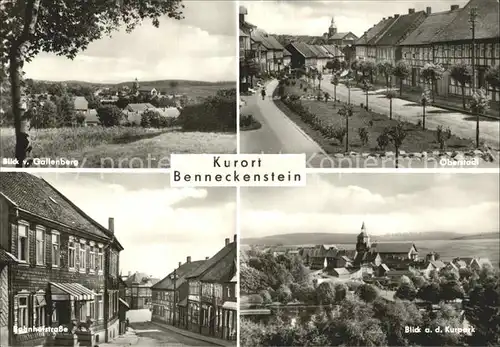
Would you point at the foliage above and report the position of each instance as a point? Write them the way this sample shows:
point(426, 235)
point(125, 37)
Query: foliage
point(425, 98)
point(383, 141)
point(443, 136)
point(397, 134)
point(367, 292)
point(493, 77)
point(479, 103)
point(363, 135)
point(432, 72)
point(46, 117)
point(153, 119)
point(110, 115)
point(66, 110)
point(386, 69)
point(406, 291)
point(215, 114)
point(401, 71)
point(391, 94)
point(334, 65)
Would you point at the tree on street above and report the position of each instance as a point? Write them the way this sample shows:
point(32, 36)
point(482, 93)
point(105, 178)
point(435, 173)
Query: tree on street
point(462, 73)
point(479, 105)
point(401, 71)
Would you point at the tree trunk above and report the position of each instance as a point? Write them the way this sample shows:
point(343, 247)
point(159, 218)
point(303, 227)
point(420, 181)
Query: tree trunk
point(390, 109)
point(477, 130)
point(22, 142)
point(335, 92)
point(397, 158)
point(400, 87)
point(463, 96)
point(423, 118)
point(347, 133)
point(367, 100)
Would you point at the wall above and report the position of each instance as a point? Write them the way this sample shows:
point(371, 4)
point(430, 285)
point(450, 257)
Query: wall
point(4, 224)
point(4, 306)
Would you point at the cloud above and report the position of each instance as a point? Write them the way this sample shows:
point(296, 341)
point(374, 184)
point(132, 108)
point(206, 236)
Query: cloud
point(201, 47)
point(329, 203)
point(147, 221)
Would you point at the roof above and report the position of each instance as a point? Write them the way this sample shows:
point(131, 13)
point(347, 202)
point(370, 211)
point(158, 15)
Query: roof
point(438, 264)
point(6, 257)
point(399, 273)
point(286, 53)
point(340, 36)
point(392, 247)
point(400, 28)
point(486, 24)
point(426, 32)
point(304, 49)
point(146, 89)
point(36, 196)
point(169, 112)
point(208, 265)
point(340, 271)
point(242, 33)
point(183, 270)
point(139, 107)
point(385, 267)
point(374, 32)
point(319, 51)
point(224, 269)
point(334, 50)
point(141, 278)
point(81, 103)
point(268, 41)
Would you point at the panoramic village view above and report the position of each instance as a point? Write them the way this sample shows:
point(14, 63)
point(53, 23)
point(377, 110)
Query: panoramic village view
point(163, 81)
point(73, 272)
point(385, 84)
point(351, 261)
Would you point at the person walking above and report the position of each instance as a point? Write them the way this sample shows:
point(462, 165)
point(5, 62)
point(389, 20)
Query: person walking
point(263, 93)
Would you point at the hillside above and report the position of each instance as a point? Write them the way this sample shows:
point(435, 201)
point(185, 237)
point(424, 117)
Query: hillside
point(346, 238)
point(481, 236)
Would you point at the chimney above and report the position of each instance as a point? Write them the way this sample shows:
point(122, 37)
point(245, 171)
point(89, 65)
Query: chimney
point(180, 263)
point(428, 10)
point(227, 242)
point(235, 238)
point(206, 258)
point(454, 7)
point(396, 15)
point(411, 10)
point(111, 224)
point(129, 273)
point(383, 18)
point(188, 259)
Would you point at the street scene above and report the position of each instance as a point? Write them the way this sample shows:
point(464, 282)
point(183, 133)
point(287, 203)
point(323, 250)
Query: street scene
point(143, 279)
point(390, 86)
point(144, 80)
point(350, 260)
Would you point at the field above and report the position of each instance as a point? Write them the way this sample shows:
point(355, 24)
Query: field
point(417, 139)
point(118, 147)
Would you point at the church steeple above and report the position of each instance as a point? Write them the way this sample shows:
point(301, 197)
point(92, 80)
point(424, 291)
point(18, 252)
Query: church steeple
point(363, 243)
point(333, 28)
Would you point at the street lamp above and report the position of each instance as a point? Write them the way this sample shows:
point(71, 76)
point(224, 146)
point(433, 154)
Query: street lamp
point(472, 21)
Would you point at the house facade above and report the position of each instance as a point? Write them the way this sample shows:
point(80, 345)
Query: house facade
point(138, 293)
point(59, 266)
point(211, 303)
point(446, 38)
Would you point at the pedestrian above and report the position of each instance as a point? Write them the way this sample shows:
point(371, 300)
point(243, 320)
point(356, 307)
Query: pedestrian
point(263, 93)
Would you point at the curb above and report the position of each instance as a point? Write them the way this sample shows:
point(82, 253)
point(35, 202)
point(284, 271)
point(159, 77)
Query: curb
point(199, 337)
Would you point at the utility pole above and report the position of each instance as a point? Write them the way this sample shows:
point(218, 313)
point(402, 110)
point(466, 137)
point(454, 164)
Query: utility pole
point(472, 21)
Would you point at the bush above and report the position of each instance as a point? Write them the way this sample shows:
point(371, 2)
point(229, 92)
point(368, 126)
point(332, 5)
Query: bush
point(443, 136)
point(383, 141)
point(153, 119)
point(215, 114)
point(363, 135)
point(110, 115)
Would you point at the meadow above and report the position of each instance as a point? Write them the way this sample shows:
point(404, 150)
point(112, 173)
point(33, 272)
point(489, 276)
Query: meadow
point(119, 147)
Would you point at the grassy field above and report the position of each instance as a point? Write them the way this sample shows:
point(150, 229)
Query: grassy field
point(417, 139)
point(118, 147)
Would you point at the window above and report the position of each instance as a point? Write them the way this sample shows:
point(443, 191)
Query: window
point(100, 308)
point(71, 254)
point(22, 242)
point(100, 260)
point(92, 309)
point(22, 311)
point(40, 246)
point(56, 249)
point(39, 305)
point(83, 257)
point(92, 258)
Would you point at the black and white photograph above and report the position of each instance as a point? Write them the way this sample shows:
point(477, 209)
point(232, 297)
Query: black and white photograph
point(351, 260)
point(116, 83)
point(371, 84)
point(109, 259)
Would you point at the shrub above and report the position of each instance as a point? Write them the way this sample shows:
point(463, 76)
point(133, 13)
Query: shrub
point(294, 97)
point(383, 141)
point(339, 134)
point(153, 119)
point(110, 115)
point(214, 114)
point(443, 136)
point(363, 135)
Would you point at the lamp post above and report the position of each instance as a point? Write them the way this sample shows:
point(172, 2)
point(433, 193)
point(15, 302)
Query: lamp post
point(472, 21)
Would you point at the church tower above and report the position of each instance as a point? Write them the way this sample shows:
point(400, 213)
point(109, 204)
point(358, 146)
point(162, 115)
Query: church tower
point(333, 28)
point(135, 86)
point(363, 243)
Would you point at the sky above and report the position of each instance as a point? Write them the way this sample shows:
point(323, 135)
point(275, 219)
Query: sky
point(387, 203)
point(314, 17)
point(200, 47)
point(158, 226)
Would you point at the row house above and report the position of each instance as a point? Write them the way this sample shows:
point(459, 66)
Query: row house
point(138, 294)
point(58, 267)
point(269, 51)
point(446, 38)
point(302, 56)
point(170, 295)
point(365, 46)
point(211, 302)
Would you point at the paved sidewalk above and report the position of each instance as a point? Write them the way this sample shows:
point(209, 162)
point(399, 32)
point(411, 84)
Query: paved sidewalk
point(212, 340)
point(130, 338)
